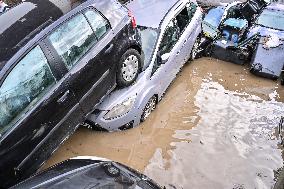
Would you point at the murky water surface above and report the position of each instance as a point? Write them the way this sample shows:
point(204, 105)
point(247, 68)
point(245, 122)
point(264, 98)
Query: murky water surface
point(215, 128)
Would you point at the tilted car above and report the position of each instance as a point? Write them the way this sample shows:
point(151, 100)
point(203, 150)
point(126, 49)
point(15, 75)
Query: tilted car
point(88, 173)
point(216, 16)
point(170, 37)
point(55, 66)
point(226, 27)
point(268, 59)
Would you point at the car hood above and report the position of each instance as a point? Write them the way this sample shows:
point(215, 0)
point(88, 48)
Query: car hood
point(263, 31)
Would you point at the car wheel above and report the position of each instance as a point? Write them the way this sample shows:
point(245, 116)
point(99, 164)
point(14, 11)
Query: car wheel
point(149, 108)
point(282, 79)
point(129, 67)
point(195, 49)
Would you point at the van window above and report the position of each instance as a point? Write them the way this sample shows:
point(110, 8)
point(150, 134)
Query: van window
point(73, 39)
point(99, 24)
point(29, 80)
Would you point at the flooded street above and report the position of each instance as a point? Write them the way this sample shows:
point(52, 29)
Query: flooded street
point(215, 128)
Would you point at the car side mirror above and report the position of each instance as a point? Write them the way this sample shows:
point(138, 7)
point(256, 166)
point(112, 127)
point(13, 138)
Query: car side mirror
point(165, 57)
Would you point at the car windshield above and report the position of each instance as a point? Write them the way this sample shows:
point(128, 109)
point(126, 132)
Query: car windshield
point(149, 38)
point(272, 19)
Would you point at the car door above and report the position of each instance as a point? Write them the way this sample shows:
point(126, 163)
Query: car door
point(34, 105)
point(189, 30)
point(167, 52)
point(80, 43)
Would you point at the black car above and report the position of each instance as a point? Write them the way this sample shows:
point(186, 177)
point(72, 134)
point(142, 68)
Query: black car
point(55, 67)
point(89, 173)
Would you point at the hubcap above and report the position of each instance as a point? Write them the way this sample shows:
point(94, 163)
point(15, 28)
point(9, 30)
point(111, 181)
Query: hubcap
point(130, 68)
point(151, 106)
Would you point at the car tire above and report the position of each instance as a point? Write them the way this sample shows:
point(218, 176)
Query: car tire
point(149, 108)
point(128, 68)
point(282, 79)
point(195, 49)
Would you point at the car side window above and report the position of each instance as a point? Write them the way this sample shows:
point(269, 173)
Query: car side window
point(28, 81)
point(191, 9)
point(73, 39)
point(99, 24)
point(170, 38)
point(183, 19)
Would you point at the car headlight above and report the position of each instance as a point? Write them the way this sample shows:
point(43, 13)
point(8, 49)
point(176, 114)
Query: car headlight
point(120, 109)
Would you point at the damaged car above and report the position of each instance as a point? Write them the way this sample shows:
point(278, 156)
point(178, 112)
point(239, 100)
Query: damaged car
point(169, 40)
point(225, 29)
point(216, 16)
point(55, 66)
point(268, 58)
point(88, 172)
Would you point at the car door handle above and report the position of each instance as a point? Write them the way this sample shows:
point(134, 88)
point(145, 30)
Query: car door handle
point(178, 52)
point(108, 48)
point(185, 41)
point(63, 97)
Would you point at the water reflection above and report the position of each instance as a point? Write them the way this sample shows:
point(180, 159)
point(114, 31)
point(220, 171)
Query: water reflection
point(232, 146)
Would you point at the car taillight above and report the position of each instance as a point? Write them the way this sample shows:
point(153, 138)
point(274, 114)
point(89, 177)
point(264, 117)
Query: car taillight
point(133, 21)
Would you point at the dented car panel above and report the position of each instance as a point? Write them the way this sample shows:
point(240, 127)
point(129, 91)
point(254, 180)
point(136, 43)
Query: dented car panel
point(129, 104)
point(41, 99)
point(89, 172)
point(268, 62)
point(269, 25)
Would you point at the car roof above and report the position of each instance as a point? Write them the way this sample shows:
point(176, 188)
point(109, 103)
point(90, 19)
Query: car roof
point(150, 13)
point(276, 6)
point(59, 173)
point(22, 22)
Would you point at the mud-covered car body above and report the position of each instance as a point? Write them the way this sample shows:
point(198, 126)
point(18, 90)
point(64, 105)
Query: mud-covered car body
point(88, 172)
point(124, 108)
point(268, 58)
point(54, 68)
point(233, 46)
point(216, 16)
point(227, 26)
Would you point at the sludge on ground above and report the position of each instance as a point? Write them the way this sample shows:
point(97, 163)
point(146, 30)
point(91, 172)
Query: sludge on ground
point(215, 128)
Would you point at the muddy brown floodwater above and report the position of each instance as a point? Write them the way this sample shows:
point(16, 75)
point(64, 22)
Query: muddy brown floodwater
point(215, 128)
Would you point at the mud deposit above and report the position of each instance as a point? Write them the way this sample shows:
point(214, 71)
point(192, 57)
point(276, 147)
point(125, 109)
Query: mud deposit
point(215, 128)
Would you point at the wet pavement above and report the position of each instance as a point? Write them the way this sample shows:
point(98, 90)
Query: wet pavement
point(215, 128)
